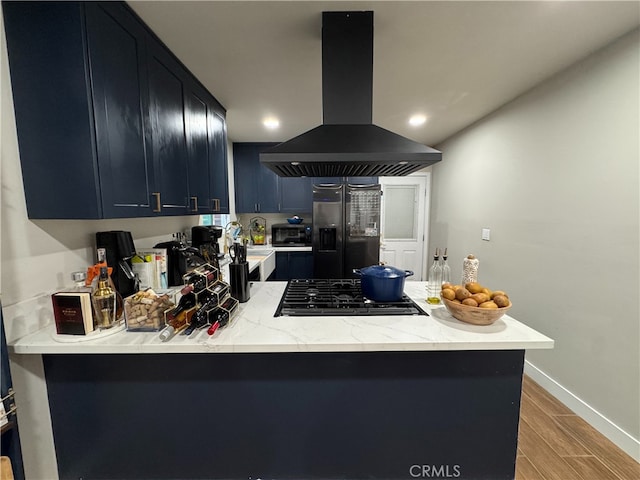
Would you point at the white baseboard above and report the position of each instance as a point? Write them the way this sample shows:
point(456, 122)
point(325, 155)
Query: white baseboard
point(598, 421)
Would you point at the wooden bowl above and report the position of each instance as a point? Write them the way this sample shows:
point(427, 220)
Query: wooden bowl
point(474, 315)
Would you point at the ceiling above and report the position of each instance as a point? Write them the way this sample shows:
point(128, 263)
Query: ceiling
point(453, 61)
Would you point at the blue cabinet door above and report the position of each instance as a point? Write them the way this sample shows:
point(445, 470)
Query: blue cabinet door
point(219, 178)
point(296, 195)
point(257, 187)
point(116, 43)
point(198, 145)
point(169, 149)
point(47, 62)
point(300, 265)
point(291, 265)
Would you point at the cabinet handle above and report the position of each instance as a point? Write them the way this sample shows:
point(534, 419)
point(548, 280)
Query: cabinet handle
point(215, 204)
point(158, 204)
point(195, 204)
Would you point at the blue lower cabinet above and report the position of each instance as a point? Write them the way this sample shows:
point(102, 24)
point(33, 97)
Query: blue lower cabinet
point(290, 265)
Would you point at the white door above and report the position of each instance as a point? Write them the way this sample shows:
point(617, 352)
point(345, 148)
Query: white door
point(404, 222)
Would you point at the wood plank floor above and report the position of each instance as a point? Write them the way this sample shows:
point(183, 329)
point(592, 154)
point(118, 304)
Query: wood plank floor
point(555, 444)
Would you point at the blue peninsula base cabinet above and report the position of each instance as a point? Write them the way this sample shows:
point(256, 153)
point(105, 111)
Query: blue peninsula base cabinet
point(326, 415)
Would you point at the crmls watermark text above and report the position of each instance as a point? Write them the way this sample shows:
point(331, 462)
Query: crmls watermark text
point(434, 471)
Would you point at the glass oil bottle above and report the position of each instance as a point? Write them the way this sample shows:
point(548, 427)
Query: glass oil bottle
point(434, 283)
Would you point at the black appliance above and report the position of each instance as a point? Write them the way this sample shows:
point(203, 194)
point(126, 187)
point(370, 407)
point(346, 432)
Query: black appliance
point(292, 235)
point(205, 239)
point(181, 259)
point(347, 143)
point(337, 297)
point(346, 223)
point(120, 249)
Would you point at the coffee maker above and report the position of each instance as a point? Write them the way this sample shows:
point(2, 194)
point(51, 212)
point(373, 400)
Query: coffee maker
point(120, 249)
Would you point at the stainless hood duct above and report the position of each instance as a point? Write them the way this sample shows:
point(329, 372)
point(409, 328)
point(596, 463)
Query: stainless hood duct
point(347, 143)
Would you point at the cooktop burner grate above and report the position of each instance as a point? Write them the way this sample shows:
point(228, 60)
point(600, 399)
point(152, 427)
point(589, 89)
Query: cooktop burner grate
point(340, 297)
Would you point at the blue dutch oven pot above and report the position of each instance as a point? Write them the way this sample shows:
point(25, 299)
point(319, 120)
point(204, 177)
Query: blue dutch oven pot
point(382, 283)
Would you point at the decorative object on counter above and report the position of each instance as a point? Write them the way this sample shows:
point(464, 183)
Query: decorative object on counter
point(295, 220)
point(435, 280)
point(470, 269)
point(474, 315)
point(72, 313)
point(446, 269)
point(475, 303)
point(258, 230)
point(93, 273)
point(233, 234)
point(145, 311)
point(104, 302)
point(382, 283)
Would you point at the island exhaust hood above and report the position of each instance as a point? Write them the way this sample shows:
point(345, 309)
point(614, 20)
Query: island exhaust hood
point(347, 143)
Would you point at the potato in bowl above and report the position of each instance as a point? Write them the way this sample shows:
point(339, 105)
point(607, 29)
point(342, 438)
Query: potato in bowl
point(474, 303)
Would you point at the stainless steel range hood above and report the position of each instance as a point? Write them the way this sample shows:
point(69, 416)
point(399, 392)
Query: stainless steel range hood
point(347, 143)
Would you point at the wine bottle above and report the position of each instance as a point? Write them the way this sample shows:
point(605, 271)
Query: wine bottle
point(186, 301)
point(219, 317)
point(199, 279)
point(177, 323)
point(104, 302)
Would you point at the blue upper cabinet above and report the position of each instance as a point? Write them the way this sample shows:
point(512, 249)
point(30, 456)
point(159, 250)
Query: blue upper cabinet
point(97, 99)
point(218, 170)
point(169, 148)
point(296, 195)
point(257, 188)
point(116, 44)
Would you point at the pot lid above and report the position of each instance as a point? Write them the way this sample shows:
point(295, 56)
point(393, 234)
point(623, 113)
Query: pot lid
point(385, 271)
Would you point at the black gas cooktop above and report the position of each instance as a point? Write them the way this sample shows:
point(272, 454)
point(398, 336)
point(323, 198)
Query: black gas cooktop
point(324, 297)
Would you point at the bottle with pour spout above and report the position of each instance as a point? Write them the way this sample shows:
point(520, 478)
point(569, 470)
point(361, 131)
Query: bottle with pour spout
point(434, 283)
point(446, 269)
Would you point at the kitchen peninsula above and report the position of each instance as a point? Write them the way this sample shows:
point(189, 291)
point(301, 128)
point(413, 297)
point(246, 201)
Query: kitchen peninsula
point(291, 397)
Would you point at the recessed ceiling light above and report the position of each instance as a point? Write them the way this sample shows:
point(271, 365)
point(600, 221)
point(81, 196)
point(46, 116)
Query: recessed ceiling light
point(271, 123)
point(417, 120)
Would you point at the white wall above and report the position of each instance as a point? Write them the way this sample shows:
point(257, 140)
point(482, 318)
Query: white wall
point(555, 176)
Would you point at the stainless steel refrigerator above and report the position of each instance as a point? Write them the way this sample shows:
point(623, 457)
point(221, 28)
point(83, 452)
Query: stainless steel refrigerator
point(346, 229)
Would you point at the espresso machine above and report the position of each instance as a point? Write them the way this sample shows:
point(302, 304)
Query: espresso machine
point(205, 239)
point(119, 249)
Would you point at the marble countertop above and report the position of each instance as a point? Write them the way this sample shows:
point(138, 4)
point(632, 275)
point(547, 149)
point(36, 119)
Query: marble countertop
point(289, 248)
point(255, 330)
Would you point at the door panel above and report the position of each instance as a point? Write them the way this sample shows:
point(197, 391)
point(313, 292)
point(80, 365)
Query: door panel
point(404, 216)
point(169, 141)
point(116, 44)
point(198, 148)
